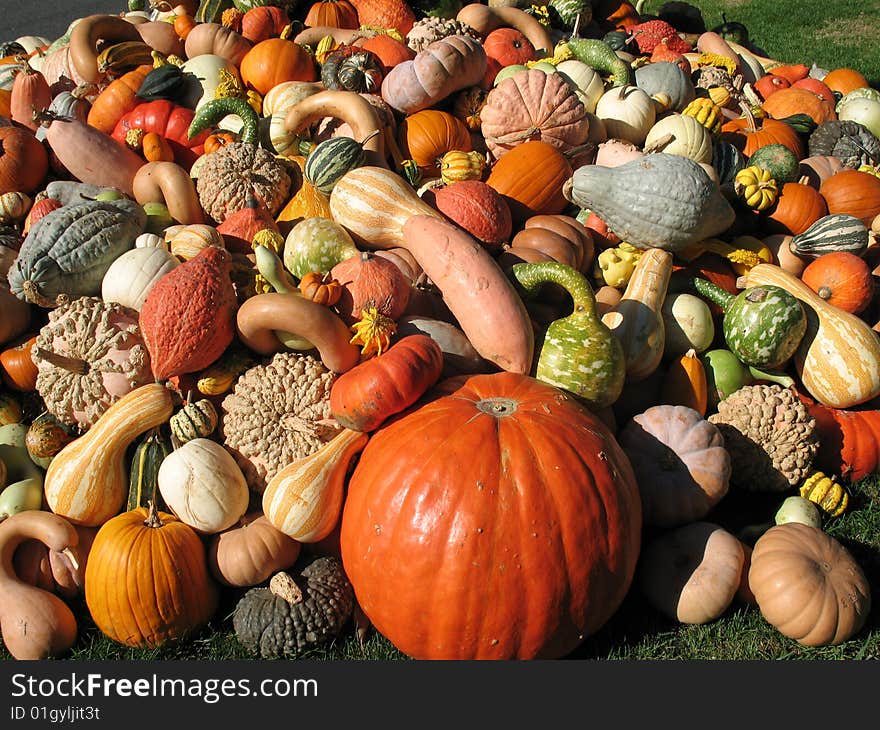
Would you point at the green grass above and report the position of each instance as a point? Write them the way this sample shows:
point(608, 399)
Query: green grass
point(829, 34)
point(635, 632)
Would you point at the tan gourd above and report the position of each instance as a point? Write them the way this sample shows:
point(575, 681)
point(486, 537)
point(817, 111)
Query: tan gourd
point(35, 623)
point(86, 35)
point(838, 359)
point(304, 500)
point(637, 319)
point(373, 204)
point(87, 480)
point(168, 183)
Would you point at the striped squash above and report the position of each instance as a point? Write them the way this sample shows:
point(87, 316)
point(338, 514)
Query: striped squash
point(373, 204)
point(304, 499)
point(309, 202)
point(143, 480)
point(331, 159)
point(86, 481)
point(197, 419)
point(838, 360)
point(830, 234)
point(211, 11)
point(119, 58)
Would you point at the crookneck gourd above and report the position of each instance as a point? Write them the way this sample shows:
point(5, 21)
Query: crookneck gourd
point(67, 252)
point(89, 355)
point(762, 325)
point(657, 201)
point(578, 352)
point(290, 617)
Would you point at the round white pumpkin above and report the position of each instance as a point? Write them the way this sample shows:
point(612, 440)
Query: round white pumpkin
point(680, 134)
point(201, 484)
point(132, 275)
point(628, 113)
point(587, 83)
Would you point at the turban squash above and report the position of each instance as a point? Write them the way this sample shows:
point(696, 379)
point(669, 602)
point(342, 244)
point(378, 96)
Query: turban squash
point(518, 514)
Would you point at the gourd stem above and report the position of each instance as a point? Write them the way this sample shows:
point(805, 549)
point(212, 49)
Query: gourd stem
point(153, 519)
point(531, 276)
point(71, 364)
point(713, 292)
point(32, 296)
point(283, 586)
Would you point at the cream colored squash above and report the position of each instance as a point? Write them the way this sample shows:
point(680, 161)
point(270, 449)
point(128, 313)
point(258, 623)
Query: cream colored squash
point(679, 134)
point(585, 80)
point(205, 69)
point(628, 113)
point(201, 483)
point(131, 276)
point(284, 95)
point(189, 240)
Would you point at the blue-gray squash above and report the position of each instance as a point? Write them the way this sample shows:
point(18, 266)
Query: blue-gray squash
point(67, 252)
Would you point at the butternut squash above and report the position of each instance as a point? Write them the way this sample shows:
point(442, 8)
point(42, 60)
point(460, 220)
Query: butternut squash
point(637, 319)
point(373, 203)
point(838, 359)
point(86, 35)
point(35, 623)
point(168, 183)
point(260, 316)
point(475, 289)
point(347, 106)
point(87, 480)
point(304, 499)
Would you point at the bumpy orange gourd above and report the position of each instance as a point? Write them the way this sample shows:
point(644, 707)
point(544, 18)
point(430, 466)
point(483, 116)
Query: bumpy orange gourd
point(147, 579)
point(529, 546)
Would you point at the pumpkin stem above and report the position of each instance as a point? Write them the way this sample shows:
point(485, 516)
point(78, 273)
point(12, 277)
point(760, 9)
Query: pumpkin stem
point(824, 292)
point(71, 364)
point(497, 407)
point(283, 586)
point(659, 144)
point(32, 295)
point(153, 519)
point(751, 125)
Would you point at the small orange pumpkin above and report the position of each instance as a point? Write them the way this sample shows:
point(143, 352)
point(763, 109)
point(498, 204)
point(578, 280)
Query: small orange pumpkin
point(320, 288)
point(429, 134)
point(17, 368)
point(844, 80)
point(842, 279)
point(215, 141)
point(788, 102)
point(274, 61)
point(798, 206)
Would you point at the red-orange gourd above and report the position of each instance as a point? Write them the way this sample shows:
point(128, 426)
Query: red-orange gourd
point(147, 579)
point(478, 208)
point(188, 318)
point(24, 161)
point(17, 369)
point(274, 61)
point(505, 47)
point(842, 279)
point(853, 192)
point(371, 392)
point(370, 281)
point(747, 134)
point(518, 516)
point(117, 99)
point(395, 14)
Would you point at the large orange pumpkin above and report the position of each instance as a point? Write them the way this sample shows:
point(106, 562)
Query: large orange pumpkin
point(147, 579)
point(428, 135)
point(853, 192)
point(274, 61)
point(507, 528)
point(844, 80)
point(798, 206)
point(332, 13)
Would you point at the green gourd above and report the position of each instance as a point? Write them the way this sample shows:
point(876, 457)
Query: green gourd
point(831, 233)
point(67, 252)
point(143, 480)
point(272, 269)
point(578, 352)
point(599, 55)
point(763, 325)
point(211, 113)
point(332, 158)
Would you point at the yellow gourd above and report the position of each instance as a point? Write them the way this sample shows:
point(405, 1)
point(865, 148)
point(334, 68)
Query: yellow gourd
point(456, 165)
point(756, 187)
point(825, 492)
point(87, 480)
point(614, 266)
point(706, 112)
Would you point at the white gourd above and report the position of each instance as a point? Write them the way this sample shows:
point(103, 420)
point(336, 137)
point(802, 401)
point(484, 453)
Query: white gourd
point(585, 80)
point(679, 134)
point(628, 113)
point(132, 275)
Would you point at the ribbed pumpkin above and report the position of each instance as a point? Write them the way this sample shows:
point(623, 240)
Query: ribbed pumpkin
point(429, 134)
point(844, 80)
point(188, 316)
point(748, 134)
point(853, 192)
point(147, 579)
point(842, 279)
point(263, 22)
point(531, 176)
point(170, 121)
point(478, 208)
point(332, 14)
point(370, 280)
point(475, 582)
point(275, 60)
point(533, 105)
point(798, 206)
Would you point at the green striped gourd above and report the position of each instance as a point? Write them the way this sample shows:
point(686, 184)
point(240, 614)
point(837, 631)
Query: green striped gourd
point(568, 11)
point(832, 233)
point(578, 352)
point(727, 161)
point(165, 82)
point(332, 158)
point(197, 419)
point(763, 325)
point(143, 480)
point(67, 252)
point(211, 11)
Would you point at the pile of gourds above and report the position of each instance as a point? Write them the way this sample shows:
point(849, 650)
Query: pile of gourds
point(529, 249)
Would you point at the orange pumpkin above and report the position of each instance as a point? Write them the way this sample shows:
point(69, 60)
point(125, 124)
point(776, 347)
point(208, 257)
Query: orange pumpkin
point(531, 176)
point(5, 102)
point(388, 50)
point(842, 279)
point(505, 47)
point(320, 287)
point(428, 135)
point(798, 206)
point(215, 141)
point(853, 192)
point(183, 24)
point(370, 281)
point(274, 61)
point(819, 88)
point(395, 14)
point(844, 80)
point(769, 84)
point(566, 527)
point(332, 14)
point(788, 102)
point(17, 368)
point(747, 134)
point(147, 579)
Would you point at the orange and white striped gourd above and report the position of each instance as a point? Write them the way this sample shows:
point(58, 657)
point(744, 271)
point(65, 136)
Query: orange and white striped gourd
point(87, 481)
point(304, 499)
point(838, 359)
point(373, 203)
point(637, 319)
